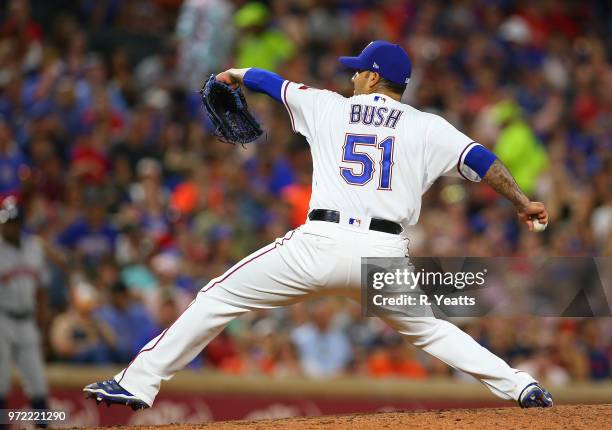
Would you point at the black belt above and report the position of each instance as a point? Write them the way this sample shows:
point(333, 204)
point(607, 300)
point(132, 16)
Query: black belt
point(16, 315)
point(376, 224)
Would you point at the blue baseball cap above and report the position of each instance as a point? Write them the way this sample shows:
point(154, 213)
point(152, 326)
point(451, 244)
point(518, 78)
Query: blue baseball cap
point(387, 59)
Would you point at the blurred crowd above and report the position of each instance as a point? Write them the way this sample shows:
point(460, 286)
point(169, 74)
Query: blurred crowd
point(103, 139)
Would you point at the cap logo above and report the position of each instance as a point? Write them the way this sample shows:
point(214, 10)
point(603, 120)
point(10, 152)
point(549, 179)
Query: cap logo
point(375, 65)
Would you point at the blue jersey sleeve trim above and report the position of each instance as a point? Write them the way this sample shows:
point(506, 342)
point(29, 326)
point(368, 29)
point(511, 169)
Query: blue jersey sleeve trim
point(479, 159)
point(263, 81)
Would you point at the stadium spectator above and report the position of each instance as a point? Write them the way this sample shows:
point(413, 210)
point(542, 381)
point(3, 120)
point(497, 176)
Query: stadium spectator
point(323, 350)
point(259, 44)
point(205, 37)
point(128, 319)
point(394, 358)
point(77, 336)
point(91, 237)
point(12, 162)
point(517, 146)
point(599, 362)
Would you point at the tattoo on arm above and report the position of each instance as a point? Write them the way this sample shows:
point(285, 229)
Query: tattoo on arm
point(500, 179)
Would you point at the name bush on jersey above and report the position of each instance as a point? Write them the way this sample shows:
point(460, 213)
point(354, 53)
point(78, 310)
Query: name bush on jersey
point(374, 115)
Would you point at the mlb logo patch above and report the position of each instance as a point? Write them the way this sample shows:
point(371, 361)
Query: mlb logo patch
point(354, 221)
point(379, 98)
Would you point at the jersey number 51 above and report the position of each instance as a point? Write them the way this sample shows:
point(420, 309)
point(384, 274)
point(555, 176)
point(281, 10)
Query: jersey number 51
point(351, 154)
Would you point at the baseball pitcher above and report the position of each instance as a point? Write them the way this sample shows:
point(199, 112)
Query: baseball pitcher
point(373, 158)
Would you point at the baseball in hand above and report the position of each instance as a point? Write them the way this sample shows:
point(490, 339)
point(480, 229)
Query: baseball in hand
point(538, 226)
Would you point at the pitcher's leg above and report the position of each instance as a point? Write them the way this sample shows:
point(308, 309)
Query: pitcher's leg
point(267, 278)
point(456, 348)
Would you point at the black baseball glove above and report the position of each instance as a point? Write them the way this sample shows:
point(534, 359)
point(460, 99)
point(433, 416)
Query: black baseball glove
point(228, 111)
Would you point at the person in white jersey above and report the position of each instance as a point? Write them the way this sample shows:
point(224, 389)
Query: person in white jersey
point(373, 158)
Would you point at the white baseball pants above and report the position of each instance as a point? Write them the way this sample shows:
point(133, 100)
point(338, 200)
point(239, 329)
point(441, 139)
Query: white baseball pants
point(318, 258)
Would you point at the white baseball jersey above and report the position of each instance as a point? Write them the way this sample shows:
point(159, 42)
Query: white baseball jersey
point(374, 154)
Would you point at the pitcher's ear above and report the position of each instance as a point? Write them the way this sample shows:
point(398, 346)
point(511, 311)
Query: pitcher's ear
point(373, 78)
